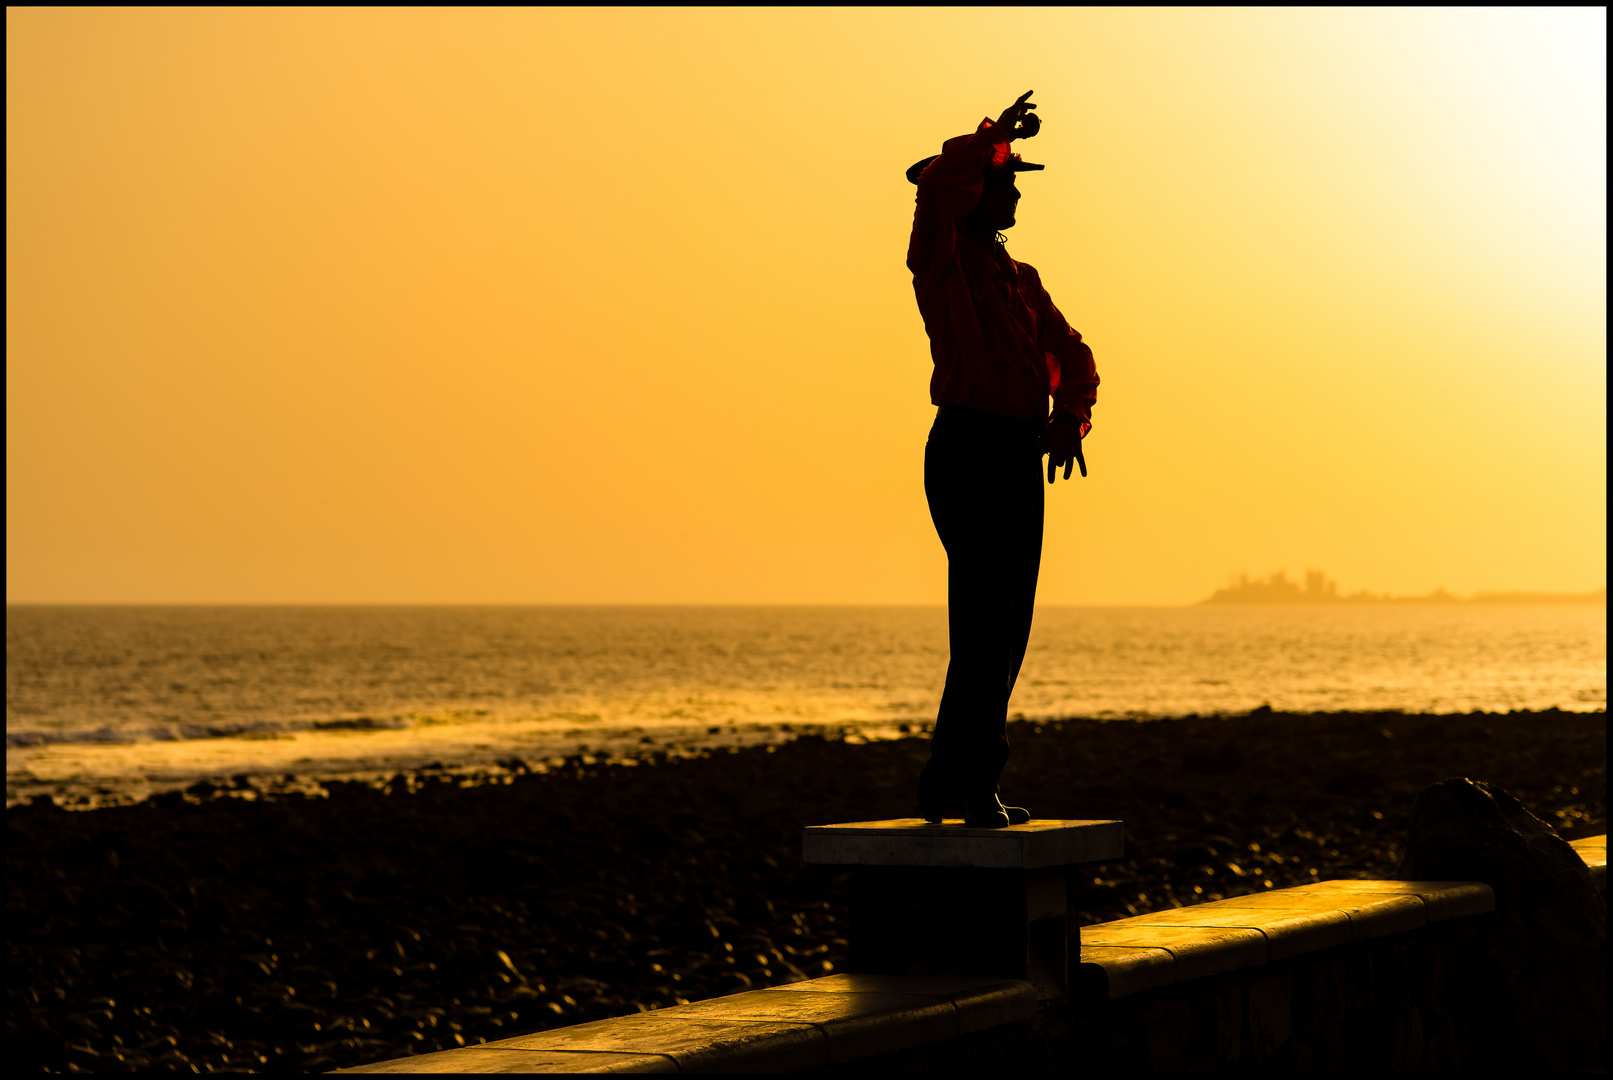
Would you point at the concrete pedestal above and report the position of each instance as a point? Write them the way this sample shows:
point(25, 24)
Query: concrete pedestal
point(948, 900)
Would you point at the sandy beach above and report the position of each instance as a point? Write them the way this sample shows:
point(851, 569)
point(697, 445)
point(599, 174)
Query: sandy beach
point(263, 929)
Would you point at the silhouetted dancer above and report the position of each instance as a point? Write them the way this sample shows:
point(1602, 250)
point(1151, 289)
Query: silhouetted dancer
point(1000, 349)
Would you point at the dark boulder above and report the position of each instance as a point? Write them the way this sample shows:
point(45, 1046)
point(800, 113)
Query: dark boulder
point(1550, 939)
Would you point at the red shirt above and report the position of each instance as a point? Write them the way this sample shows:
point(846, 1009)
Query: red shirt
point(998, 342)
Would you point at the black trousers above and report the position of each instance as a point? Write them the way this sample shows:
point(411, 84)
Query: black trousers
point(983, 479)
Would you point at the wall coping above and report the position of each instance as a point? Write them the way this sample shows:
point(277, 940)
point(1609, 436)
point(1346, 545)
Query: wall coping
point(1164, 947)
point(1593, 849)
point(805, 1025)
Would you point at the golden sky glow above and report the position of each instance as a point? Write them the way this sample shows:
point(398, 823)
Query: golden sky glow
point(610, 305)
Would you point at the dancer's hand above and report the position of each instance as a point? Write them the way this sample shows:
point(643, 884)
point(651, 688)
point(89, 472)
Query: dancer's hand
point(1061, 442)
point(1017, 121)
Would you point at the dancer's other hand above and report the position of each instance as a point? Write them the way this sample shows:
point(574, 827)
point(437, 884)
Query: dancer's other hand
point(1061, 442)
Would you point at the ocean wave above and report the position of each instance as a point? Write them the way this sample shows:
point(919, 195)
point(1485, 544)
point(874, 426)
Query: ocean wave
point(20, 739)
point(257, 729)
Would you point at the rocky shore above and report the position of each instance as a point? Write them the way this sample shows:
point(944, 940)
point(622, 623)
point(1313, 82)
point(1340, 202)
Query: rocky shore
point(248, 930)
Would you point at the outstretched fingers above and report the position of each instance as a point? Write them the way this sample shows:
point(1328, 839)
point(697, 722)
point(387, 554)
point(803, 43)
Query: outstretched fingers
point(1011, 115)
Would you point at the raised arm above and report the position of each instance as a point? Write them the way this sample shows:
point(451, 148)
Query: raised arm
point(950, 186)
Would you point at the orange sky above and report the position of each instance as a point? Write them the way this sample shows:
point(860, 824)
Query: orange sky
point(610, 305)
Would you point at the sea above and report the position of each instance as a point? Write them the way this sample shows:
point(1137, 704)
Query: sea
point(108, 705)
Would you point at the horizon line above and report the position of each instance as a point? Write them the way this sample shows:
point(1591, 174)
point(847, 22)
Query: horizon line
point(533, 603)
point(1478, 597)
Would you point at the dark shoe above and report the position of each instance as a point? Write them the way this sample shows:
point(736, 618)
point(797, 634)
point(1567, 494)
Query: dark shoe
point(940, 797)
point(1017, 815)
point(987, 812)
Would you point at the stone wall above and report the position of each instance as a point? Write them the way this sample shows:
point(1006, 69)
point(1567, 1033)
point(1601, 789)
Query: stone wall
point(1339, 976)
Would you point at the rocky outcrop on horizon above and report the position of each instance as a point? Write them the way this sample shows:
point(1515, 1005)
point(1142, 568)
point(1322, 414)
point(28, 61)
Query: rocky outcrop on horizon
point(1318, 589)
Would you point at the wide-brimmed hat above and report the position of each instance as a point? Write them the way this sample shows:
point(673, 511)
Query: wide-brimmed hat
point(1009, 163)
